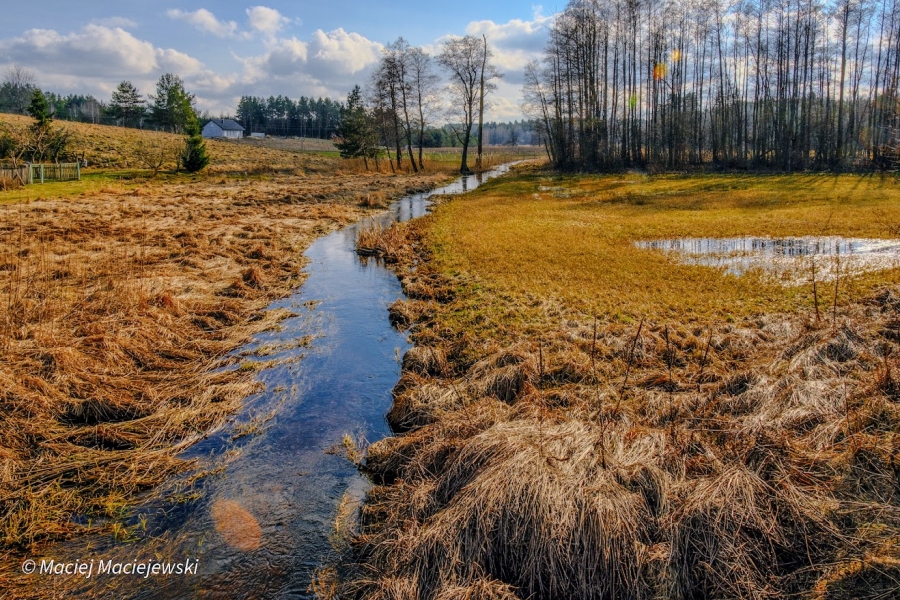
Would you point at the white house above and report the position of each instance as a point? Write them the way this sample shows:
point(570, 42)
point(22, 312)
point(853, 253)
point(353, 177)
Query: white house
point(223, 128)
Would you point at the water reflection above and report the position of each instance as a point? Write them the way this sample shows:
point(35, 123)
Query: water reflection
point(790, 259)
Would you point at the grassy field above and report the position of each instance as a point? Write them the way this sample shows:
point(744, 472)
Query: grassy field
point(573, 238)
point(117, 152)
point(119, 148)
point(119, 297)
point(581, 418)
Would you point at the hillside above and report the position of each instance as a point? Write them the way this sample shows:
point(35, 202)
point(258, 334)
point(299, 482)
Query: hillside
point(121, 148)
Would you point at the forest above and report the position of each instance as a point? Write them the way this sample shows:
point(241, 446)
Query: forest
point(776, 84)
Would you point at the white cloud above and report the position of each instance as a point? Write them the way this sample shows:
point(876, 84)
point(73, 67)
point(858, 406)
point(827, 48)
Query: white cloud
point(265, 19)
point(123, 22)
point(204, 20)
point(328, 62)
point(343, 52)
point(95, 59)
point(518, 34)
point(173, 61)
point(95, 49)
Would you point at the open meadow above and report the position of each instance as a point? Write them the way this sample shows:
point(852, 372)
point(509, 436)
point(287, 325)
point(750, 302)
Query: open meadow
point(584, 416)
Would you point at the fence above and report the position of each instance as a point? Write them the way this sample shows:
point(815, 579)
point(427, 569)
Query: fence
point(39, 173)
point(54, 172)
point(20, 174)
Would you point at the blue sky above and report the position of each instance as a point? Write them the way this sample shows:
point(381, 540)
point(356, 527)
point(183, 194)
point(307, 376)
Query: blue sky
point(227, 49)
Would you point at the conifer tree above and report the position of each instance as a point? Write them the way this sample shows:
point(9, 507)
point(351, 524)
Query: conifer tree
point(356, 134)
point(194, 156)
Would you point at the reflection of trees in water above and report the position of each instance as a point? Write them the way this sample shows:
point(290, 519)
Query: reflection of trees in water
point(783, 255)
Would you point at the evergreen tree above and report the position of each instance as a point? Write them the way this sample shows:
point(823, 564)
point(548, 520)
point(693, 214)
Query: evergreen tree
point(127, 104)
point(172, 107)
point(194, 156)
point(40, 110)
point(44, 141)
point(356, 133)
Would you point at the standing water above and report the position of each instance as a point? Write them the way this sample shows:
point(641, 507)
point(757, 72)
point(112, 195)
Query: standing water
point(262, 526)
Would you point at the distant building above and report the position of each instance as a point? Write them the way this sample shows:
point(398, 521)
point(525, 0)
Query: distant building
point(223, 128)
point(257, 135)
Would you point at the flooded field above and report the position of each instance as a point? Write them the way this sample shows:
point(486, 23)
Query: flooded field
point(792, 260)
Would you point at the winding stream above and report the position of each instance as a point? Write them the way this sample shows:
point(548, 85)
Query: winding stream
point(278, 498)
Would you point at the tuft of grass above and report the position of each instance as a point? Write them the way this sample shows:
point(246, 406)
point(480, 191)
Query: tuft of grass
point(386, 242)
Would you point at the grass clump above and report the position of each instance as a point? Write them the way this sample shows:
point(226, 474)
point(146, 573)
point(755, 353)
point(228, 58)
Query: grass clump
point(387, 242)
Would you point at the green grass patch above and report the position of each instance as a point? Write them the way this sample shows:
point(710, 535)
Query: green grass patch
point(539, 236)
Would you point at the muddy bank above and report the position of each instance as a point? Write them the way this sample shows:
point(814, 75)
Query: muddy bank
point(118, 309)
point(573, 457)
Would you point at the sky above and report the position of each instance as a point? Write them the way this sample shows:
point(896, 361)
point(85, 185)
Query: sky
point(226, 49)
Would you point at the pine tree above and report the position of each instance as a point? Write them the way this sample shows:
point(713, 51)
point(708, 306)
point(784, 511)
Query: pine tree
point(172, 106)
point(127, 104)
point(194, 156)
point(40, 110)
point(356, 134)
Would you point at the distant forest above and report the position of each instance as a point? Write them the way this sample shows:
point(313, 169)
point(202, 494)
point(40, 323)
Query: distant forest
point(274, 116)
point(308, 117)
point(782, 84)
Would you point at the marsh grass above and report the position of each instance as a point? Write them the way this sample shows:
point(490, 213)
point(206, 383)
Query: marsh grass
point(117, 312)
point(562, 435)
point(388, 242)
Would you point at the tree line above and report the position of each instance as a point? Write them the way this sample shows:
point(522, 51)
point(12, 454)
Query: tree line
point(281, 116)
point(171, 108)
point(395, 114)
point(782, 84)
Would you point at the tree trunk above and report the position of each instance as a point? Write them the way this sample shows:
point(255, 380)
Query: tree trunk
point(481, 104)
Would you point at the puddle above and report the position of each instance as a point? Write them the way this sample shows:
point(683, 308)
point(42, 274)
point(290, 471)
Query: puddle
point(262, 527)
point(790, 260)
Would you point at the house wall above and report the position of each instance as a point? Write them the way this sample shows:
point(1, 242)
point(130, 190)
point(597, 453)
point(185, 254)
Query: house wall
point(211, 130)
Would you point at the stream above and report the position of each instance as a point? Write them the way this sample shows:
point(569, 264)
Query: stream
point(261, 527)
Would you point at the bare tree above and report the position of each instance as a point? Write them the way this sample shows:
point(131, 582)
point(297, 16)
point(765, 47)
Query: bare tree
point(466, 60)
point(423, 87)
point(16, 89)
point(389, 92)
point(485, 86)
point(154, 152)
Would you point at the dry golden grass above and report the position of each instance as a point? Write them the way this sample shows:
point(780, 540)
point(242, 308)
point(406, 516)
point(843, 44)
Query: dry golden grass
point(688, 447)
point(118, 308)
point(291, 144)
point(107, 147)
point(383, 241)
